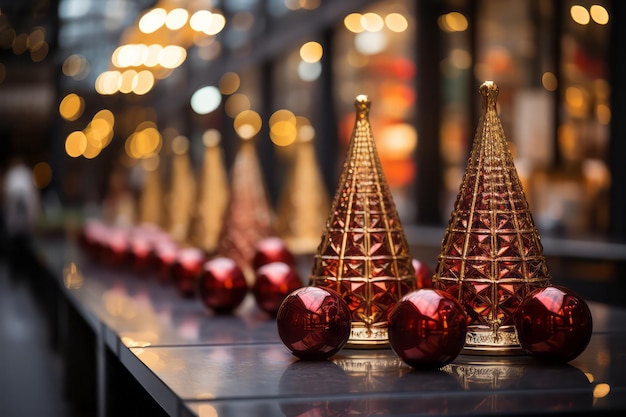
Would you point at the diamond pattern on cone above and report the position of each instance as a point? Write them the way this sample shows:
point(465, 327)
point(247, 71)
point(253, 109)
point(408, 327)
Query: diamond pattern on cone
point(364, 254)
point(491, 254)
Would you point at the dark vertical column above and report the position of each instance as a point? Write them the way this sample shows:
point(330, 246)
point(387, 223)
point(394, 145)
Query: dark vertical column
point(326, 138)
point(428, 57)
point(617, 144)
point(558, 13)
point(264, 145)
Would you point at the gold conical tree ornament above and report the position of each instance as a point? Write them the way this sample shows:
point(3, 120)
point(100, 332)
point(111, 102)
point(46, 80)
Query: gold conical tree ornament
point(182, 191)
point(249, 215)
point(304, 203)
point(151, 198)
point(212, 195)
point(364, 254)
point(491, 254)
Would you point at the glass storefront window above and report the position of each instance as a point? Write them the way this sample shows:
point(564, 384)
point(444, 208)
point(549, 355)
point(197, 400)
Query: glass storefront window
point(374, 55)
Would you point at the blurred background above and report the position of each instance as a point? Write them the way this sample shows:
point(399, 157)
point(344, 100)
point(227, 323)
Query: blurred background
point(97, 94)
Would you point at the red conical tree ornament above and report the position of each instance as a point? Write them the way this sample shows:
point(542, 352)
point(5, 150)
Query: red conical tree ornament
point(491, 254)
point(364, 254)
point(249, 216)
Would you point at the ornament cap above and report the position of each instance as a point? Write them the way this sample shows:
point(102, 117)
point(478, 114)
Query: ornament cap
point(489, 90)
point(362, 104)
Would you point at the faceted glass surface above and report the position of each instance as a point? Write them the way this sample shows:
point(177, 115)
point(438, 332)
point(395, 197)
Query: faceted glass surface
point(364, 254)
point(491, 254)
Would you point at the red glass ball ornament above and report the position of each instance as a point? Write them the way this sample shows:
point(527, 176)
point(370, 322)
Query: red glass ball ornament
point(138, 252)
point(271, 249)
point(222, 285)
point(314, 322)
point(427, 328)
point(273, 282)
point(423, 274)
point(186, 270)
point(115, 248)
point(161, 259)
point(553, 324)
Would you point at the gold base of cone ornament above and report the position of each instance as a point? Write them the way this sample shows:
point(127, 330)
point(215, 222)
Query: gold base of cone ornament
point(364, 253)
point(491, 254)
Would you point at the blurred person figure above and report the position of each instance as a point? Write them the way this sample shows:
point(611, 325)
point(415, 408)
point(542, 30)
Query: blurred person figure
point(20, 209)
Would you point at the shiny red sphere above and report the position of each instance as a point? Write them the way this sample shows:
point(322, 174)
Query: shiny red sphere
point(271, 249)
point(273, 282)
point(186, 270)
point(314, 322)
point(427, 328)
point(423, 274)
point(139, 249)
point(162, 258)
point(222, 285)
point(553, 324)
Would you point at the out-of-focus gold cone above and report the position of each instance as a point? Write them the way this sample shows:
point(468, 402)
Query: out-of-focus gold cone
point(364, 254)
point(303, 206)
point(491, 254)
point(212, 196)
point(151, 197)
point(249, 216)
point(182, 191)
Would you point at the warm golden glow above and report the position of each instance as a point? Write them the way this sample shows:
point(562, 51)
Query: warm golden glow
point(176, 19)
point(579, 14)
point(39, 52)
point(71, 107)
point(599, 14)
point(397, 141)
point(180, 145)
point(603, 114)
point(99, 132)
point(396, 22)
point(352, 22)
point(590, 377)
point(144, 81)
point(372, 22)
point(42, 174)
point(152, 21)
point(211, 137)
point(283, 133)
point(247, 124)
point(306, 132)
point(453, 22)
point(152, 55)
point(229, 83)
point(200, 19)
point(151, 163)
point(216, 25)
point(236, 104)
point(37, 35)
point(75, 66)
point(601, 390)
point(282, 115)
point(574, 97)
point(128, 81)
point(72, 278)
point(108, 82)
point(549, 81)
point(75, 144)
point(207, 410)
point(172, 56)
point(460, 58)
point(311, 52)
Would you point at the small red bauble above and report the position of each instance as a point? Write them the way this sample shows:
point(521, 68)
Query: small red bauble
point(162, 258)
point(273, 282)
point(553, 324)
point(423, 274)
point(222, 286)
point(186, 270)
point(271, 249)
point(314, 322)
point(138, 252)
point(427, 328)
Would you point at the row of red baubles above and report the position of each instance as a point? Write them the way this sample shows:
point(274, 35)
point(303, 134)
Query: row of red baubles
point(218, 281)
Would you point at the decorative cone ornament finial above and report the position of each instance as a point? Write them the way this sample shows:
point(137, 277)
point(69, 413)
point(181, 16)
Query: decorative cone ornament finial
point(491, 254)
point(364, 254)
